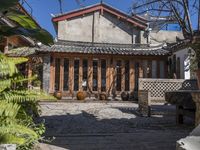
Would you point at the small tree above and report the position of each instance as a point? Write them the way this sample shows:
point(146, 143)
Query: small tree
point(179, 10)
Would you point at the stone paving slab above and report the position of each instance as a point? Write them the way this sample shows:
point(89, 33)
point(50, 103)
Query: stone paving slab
point(110, 126)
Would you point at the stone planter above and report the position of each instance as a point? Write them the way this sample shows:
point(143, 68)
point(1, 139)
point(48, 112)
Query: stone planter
point(103, 96)
point(198, 77)
point(8, 147)
point(125, 96)
point(58, 95)
point(81, 95)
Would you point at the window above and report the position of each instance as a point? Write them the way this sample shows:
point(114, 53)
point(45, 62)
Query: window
point(85, 74)
point(95, 75)
point(66, 75)
point(154, 69)
point(57, 74)
point(119, 75)
point(103, 75)
point(178, 67)
point(127, 75)
point(76, 75)
point(162, 74)
point(174, 64)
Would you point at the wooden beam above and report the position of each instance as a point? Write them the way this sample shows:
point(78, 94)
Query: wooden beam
point(141, 70)
point(123, 76)
point(158, 69)
point(52, 75)
point(30, 71)
point(165, 69)
point(90, 73)
point(99, 76)
point(108, 75)
point(71, 75)
point(132, 75)
point(150, 68)
point(61, 74)
point(80, 74)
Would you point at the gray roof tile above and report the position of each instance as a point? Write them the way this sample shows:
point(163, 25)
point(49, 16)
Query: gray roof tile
point(105, 48)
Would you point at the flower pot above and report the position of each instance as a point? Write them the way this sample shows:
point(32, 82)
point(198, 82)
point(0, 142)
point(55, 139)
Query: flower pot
point(103, 96)
point(58, 95)
point(125, 96)
point(81, 95)
point(198, 77)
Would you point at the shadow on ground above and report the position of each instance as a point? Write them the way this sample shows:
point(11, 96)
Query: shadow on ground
point(86, 130)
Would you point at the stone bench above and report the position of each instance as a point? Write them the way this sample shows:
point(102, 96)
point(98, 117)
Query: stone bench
point(187, 104)
point(151, 91)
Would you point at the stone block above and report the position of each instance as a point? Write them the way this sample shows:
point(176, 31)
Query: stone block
point(8, 147)
point(144, 103)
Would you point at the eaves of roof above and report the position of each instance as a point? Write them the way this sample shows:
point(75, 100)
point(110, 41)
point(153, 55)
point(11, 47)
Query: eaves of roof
point(135, 20)
point(105, 48)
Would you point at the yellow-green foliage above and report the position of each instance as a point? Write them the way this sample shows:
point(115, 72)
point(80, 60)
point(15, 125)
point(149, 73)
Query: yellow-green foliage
point(17, 106)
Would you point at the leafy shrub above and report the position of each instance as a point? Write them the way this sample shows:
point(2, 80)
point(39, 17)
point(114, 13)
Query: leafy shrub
point(18, 107)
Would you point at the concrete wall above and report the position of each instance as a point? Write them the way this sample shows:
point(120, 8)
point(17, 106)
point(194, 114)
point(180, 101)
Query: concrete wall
point(184, 63)
point(161, 36)
point(165, 36)
point(95, 27)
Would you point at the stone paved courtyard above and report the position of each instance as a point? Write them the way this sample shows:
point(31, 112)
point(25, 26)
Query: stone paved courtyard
point(110, 126)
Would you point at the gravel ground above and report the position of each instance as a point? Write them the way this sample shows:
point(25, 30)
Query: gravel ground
point(97, 126)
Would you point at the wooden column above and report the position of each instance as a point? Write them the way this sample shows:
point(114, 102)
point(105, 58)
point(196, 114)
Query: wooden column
point(61, 74)
point(150, 69)
point(29, 72)
point(71, 75)
point(165, 69)
point(108, 74)
point(145, 68)
point(132, 75)
point(52, 75)
point(111, 75)
point(123, 76)
point(80, 74)
point(141, 71)
point(99, 76)
point(158, 69)
point(90, 74)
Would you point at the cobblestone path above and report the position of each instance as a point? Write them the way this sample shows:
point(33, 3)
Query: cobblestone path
point(110, 126)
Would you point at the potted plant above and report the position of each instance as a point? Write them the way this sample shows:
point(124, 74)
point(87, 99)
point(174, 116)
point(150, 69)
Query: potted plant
point(37, 84)
point(58, 95)
point(125, 96)
point(103, 96)
point(81, 95)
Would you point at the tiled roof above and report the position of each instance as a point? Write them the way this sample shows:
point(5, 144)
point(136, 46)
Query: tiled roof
point(22, 51)
point(104, 48)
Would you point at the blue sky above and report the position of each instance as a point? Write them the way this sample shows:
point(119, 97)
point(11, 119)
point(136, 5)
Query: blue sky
point(43, 8)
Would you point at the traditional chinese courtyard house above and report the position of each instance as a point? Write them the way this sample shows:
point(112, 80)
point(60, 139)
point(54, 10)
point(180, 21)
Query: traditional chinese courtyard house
point(100, 49)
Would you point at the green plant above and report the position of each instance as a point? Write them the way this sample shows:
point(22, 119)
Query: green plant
point(25, 25)
point(18, 107)
point(37, 83)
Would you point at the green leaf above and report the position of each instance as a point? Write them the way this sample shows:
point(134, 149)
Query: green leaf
point(5, 4)
point(21, 19)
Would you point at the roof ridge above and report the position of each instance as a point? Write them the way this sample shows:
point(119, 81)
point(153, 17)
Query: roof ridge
point(134, 19)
